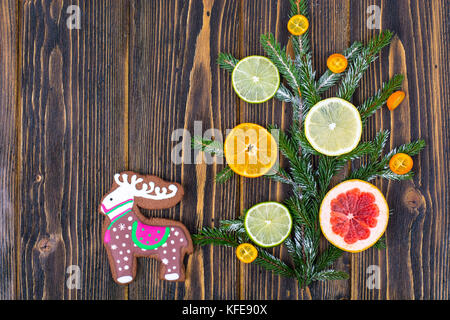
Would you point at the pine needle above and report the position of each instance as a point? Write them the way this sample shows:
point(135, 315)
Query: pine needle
point(227, 61)
point(224, 175)
point(281, 60)
point(361, 63)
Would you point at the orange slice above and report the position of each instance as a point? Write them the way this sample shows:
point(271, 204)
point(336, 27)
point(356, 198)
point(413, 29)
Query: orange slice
point(246, 252)
point(395, 99)
point(337, 63)
point(297, 25)
point(401, 163)
point(250, 150)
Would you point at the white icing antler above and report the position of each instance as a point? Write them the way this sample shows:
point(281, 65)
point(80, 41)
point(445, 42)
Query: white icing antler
point(148, 191)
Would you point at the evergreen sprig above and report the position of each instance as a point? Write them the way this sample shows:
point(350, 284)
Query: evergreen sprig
point(308, 172)
point(371, 105)
point(281, 60)
point(227, 61)
point(361, 63)
point(329, 78)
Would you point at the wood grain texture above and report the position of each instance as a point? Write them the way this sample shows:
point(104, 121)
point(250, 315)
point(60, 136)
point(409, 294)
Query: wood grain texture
point(80, 105)
point(72, 108)
point(415, 264)
point(176, 84)
point(8, 147)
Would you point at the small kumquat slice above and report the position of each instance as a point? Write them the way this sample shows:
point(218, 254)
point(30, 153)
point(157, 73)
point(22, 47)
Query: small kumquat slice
point(297, 25)
point(401, 163)
point(395, 99)
point(337, 63)
point(246, 252)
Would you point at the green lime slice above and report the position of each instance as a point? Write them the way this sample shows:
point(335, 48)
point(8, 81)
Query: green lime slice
point(255, 79)
point(333, 127)
point(268, 224)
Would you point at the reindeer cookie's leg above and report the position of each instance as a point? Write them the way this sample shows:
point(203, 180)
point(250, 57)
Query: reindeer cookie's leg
point(171, 255)
point(123, 264)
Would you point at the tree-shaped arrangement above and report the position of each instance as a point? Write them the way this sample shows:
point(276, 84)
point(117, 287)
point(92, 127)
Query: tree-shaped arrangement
point(325, 135)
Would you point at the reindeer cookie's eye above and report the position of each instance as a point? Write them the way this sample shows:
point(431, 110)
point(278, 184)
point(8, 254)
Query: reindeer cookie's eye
point(110, 199)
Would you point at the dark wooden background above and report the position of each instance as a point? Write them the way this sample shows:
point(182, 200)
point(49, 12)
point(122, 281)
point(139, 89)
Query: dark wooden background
point(79, 105)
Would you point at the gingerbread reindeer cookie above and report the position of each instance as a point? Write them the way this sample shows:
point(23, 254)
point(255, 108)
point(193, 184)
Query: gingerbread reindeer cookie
point(127, 234)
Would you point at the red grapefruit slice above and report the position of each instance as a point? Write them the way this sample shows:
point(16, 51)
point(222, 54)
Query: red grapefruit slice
point(354, 215)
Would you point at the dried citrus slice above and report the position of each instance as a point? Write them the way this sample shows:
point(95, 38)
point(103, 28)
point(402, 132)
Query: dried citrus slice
point(337, 63)
point(246, 252)
point(268, 224)
point(255, 79)
point(401, 163)
point(395, 99)
point(297, 25)
point(333, 126)
point(354, 215)
point(250, 150)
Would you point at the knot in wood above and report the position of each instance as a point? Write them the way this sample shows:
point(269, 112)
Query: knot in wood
point(413, 199)
point(47, 245)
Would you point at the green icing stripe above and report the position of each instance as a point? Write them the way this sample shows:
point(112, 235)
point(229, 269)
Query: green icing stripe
point(114, 221)
point(145, 246)
point(120, 206)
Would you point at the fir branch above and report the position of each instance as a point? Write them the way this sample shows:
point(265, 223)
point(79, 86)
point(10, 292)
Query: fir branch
point(233, 225)
point(301, 44)
point(412, 149)
point(224, 175)
point(361, 63)
point(281, 60)
point(294, 247)
point(299, 213)
point(227, 61)
point(216, 236)
point(329, 78)
point(328, 257)
point(299, 7)
point(381, 243)
point(208, 146)
point(389, 175)
point(282, 176)
point(371, 105)
point(327, 168)
point(379, 143)
point(272, 263)
point(330, 275)
point(308, 88)
point(305, 146)
point(360, 151)
point(284, 94)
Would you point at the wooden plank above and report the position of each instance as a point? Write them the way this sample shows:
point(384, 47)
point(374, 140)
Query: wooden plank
point(262, 17)
point(174, 82)
point(72, 106)
point(415, 264)
point(9, 161)
point(330, 34)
